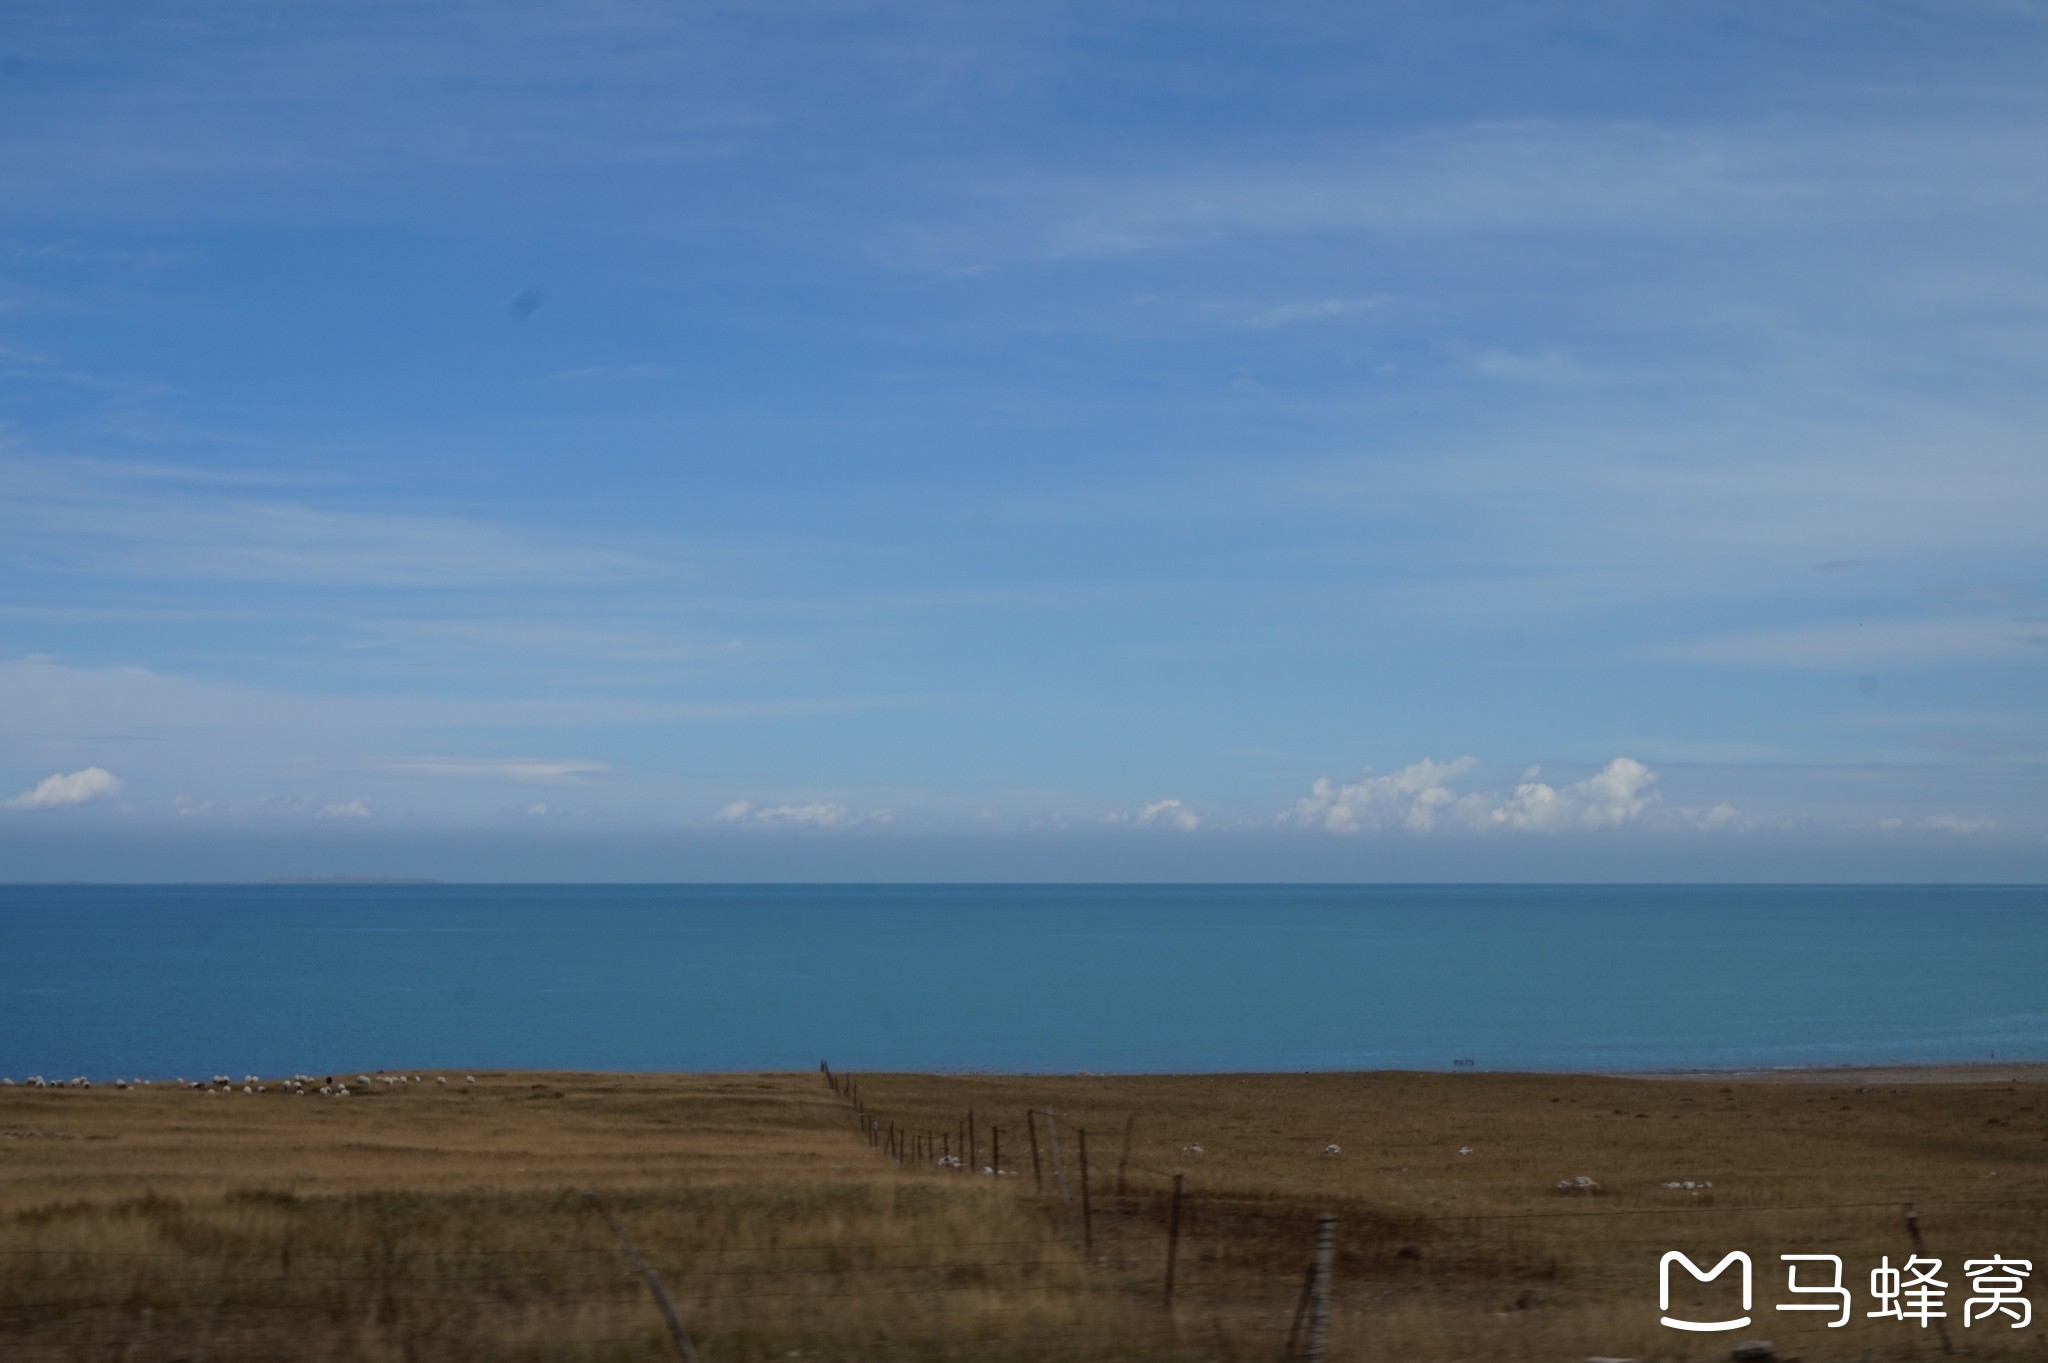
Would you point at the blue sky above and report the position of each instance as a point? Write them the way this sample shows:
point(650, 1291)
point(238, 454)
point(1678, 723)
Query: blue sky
point(624, 440)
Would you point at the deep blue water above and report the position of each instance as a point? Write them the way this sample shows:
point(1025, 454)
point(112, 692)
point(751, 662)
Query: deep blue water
point(168, 980)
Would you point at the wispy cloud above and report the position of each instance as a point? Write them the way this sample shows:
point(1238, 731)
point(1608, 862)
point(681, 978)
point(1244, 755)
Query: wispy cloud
point(542, 770)
point(1538, 175)
point(43, 699)
point(121, 519)
point(1874, 643)
point(560, 641)
point(1951, 823)
point(818, 814)
point(1276, 315)
point(1167, 813)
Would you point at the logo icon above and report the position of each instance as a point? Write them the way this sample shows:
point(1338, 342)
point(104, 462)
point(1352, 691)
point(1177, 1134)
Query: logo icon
point(1664, 1289)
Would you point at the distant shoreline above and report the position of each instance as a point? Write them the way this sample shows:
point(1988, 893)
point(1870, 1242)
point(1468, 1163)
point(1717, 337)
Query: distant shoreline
point(352, 880)
point(1971, 1072)
point(1976, 1072)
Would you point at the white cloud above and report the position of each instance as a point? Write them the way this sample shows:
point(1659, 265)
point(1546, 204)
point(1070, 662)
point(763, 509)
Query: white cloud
point(1616, 794)
point(1422, 797)
point(1415, 798)
point(353, 809)
point(820, 814)
point(54, 792)
point(1167, 813)
point(190, 807)
point(536, 811)
point(1720, 816)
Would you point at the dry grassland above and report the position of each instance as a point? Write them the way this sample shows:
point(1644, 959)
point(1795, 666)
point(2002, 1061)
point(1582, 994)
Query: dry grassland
point(421, 1223)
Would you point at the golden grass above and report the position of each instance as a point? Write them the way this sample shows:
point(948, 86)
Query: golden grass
point(421, 1223)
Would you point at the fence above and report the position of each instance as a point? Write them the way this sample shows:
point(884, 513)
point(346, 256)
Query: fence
point(1238, 1230)
point(1127, 1260)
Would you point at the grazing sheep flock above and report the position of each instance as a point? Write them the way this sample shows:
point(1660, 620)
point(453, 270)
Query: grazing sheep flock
point(299, 1085)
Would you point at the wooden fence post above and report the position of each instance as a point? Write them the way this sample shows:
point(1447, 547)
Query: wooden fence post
point(1124, 1160)
point(1308, 1287)
point(1920, 1249)
point(1059, 1166)
point(1319, 1296)
point(972, 1151)
point(995, 1152)
point(1031, 1127)
point(1087, 1218)
point(676, 1332)
point(1172, 1239)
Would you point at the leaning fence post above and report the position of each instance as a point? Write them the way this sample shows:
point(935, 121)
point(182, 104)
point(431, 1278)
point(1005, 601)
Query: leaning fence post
point(1308, 1287)
point(1319, 1295)
point(1920, 1249)
point(676, 1331)
point(1172, 1239)
point(1031, 1126)
point(1087, 1219)
point(1059, 1167)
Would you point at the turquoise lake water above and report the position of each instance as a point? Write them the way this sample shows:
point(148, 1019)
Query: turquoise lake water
point(196, 980)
